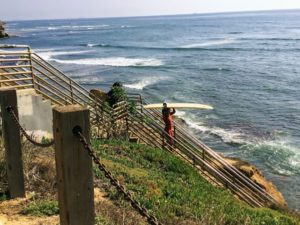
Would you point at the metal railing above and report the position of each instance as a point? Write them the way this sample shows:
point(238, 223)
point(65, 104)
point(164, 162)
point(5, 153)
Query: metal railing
point(208, 160)
point(20, 68)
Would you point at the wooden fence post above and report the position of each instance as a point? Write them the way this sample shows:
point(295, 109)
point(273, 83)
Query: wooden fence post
point(73, 166)
point(12, 144)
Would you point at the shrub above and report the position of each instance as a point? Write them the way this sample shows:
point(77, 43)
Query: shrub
point(41, 208)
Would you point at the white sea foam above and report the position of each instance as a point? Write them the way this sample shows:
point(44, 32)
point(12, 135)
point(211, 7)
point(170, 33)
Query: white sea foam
point(48, 55)
point(94, 45)
point(210, 43)
point(76, 27)
point(227, 135)
point(114, 61)
point(127, 26)
point(90, 80)
point(279, 155)
point(140, 85)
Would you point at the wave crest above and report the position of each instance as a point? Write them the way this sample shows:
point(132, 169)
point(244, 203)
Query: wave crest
point(210, 43)
point(140, 85)
point(115, 61)
point(226, 135)
point(48, 54)
point(277, 155)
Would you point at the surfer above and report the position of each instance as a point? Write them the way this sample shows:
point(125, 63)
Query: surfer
point(168, 119)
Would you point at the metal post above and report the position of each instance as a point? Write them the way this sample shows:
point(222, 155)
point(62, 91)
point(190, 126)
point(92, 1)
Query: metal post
point(73, 166)
point(12, 144)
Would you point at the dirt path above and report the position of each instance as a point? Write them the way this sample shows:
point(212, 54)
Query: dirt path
point(10, 214)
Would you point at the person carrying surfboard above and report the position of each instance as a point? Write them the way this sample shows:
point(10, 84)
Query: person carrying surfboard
point(168, 120)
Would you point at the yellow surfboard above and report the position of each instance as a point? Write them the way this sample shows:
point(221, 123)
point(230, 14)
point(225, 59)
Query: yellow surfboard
point(178, 106)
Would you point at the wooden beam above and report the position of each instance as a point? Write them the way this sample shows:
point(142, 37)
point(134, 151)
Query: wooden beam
point(12, 144)
point(73, 166)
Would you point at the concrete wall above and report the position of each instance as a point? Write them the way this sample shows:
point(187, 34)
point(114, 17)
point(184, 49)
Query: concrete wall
point(35, 114)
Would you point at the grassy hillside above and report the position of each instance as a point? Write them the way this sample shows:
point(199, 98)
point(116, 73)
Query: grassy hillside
point(174, 191)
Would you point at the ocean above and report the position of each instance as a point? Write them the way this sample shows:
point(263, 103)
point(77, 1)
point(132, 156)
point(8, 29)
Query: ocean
point(246, 65)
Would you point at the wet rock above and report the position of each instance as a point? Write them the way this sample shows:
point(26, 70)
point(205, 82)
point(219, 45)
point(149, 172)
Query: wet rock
point(3, 34)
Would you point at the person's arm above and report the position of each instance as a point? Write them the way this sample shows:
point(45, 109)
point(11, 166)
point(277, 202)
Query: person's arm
point(173, 112)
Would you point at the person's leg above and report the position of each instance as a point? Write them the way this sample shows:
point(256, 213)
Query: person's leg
point(170, 132)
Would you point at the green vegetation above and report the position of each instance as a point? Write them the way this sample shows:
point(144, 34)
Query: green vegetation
point(41, 208)
point(116, 94)
point(4, 196)
point(173, 190)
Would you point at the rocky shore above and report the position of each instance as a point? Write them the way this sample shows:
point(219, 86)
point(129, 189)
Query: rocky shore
point(251, 172)
point(257, 177)
point(3, 33)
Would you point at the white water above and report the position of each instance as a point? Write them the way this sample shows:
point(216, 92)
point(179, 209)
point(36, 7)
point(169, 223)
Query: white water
point(47, 54)
point(210, 43)
point(141, 84)
point(114, 61)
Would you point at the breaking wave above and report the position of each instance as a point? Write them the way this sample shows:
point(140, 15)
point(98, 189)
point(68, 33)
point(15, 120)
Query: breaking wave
point(226, 135)
point(281, 157)
point(277, 154)
point(115, 61)
point(210, 43)
point(47, 54)
point(140, 85)
point(68, 27)
point(197, 46)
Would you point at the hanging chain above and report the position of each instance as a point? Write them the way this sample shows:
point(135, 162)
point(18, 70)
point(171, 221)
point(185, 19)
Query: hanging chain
point(12, 113)
point(121, 188)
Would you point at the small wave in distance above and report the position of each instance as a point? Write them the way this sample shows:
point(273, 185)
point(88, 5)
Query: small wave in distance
point(210, 43)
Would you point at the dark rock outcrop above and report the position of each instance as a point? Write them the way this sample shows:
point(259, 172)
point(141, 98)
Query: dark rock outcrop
point(3, 34)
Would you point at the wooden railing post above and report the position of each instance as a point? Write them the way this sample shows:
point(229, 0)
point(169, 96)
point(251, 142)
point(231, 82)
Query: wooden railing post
point(12, 144)
point(73, 166)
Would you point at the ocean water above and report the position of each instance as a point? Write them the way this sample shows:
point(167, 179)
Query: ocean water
point(246, 65)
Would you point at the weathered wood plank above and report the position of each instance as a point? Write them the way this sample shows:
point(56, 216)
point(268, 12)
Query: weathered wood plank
point(12, 144)
point(73, 166)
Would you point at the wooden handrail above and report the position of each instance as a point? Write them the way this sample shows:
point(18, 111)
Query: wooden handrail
point(15, 73)
point(16, 79)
